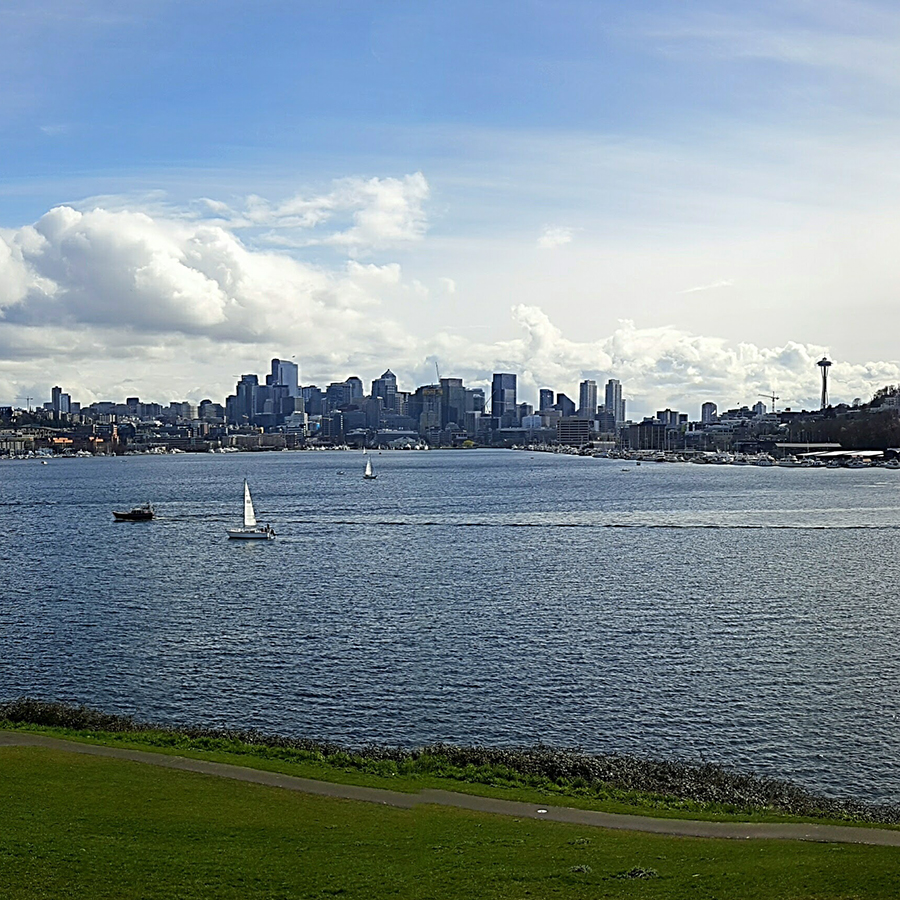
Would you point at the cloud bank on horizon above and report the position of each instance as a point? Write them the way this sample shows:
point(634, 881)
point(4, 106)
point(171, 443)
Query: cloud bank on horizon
point(171, 304)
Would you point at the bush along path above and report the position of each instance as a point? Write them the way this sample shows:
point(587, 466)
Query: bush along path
point(681, 827)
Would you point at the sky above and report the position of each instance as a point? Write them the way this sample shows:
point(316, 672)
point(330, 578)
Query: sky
point(699, 199)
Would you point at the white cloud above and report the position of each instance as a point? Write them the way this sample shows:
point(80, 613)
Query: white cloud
point(706, 287)
point(186, 302)
point(554, 236)
point(362, 214)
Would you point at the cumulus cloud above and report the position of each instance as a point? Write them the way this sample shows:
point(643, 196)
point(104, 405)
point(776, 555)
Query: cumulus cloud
point(554, 236)
point(358, 215)
point(115, 302)
point(659, 367)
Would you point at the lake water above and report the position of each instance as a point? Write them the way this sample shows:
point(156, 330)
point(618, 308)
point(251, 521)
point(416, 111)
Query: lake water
point(738, 615)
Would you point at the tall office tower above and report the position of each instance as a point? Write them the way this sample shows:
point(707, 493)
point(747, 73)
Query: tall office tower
point(709, 412)
point(241, 407)
point(503, 399)
point(759, 409)
point(337, 396)
point(313, 399)
point(60, 402)
point(453, 402)
point(386, 388)
point(587, 399)
point(546, 399)
point(286, 374)
point(425, 406)
point(614, 402)
point(565, 405)
point(357, 392)
point(474, 400)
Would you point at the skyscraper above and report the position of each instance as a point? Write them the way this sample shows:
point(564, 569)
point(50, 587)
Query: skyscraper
point(285, 374)
point(503, 399)
point(453, 402)
point(614, 402)
point(587, 399)
point(546, 399)
point(565, 405)
point(386, 388)
point(708, 413)
point(356, 389)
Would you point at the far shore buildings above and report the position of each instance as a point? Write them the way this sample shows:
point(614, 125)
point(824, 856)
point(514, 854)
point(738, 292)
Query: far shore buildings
point(278, 411)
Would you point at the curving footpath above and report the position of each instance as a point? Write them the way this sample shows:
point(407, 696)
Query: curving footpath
point(841, 834)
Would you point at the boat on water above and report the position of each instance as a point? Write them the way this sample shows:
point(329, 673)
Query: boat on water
point(250, 530)
point(369, 474)
point(135, 514)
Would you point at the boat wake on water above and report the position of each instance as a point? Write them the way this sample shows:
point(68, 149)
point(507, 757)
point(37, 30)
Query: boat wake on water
point(668, 526)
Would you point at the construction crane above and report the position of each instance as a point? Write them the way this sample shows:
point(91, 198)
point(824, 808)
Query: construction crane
point(437, 371)
point(27, 402)
point(771, 397)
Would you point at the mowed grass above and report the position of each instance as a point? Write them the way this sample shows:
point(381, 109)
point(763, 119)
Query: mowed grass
point(427, 772)
point(77, 826)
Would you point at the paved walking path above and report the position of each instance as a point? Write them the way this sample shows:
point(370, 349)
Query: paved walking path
point(842, 834)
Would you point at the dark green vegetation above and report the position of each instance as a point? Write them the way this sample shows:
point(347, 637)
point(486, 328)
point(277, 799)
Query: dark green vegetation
point(78, 826)
point(610, 783)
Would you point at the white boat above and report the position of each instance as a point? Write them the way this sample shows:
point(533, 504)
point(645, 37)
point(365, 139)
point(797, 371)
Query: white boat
point(369, 473)
point(250, 531)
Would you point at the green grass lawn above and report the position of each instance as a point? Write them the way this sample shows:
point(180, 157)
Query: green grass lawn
point(488, 782)
point(76, 826)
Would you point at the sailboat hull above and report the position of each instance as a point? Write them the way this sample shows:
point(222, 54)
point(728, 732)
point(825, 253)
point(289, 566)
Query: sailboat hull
point(250, 534)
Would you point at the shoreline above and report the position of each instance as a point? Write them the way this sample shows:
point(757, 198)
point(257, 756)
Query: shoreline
point(641, 786)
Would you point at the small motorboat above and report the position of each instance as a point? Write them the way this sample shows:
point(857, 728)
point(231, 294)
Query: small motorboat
point(135, 514)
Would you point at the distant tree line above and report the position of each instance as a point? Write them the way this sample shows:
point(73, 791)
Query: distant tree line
point(871, 426)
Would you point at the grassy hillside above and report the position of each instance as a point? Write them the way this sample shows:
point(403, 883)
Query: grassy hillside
point(85, 827)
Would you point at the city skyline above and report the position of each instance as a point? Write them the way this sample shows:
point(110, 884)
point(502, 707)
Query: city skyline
point(689, 200)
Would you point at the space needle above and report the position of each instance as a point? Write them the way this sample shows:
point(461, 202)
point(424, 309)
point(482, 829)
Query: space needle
point(824, 364)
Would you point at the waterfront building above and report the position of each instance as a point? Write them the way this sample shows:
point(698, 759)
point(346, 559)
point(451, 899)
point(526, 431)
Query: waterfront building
point(572, 431)
point(606, 421)
point(709, 413)
point(587, 399)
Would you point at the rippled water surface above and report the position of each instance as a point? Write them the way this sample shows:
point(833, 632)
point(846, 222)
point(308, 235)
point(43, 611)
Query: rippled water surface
point(740, 615)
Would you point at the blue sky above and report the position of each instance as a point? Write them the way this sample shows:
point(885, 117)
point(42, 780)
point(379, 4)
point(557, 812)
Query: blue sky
point(691, 189)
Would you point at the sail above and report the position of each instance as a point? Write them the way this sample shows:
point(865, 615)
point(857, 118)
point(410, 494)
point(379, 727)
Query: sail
point(249, 515)
point(368, 468)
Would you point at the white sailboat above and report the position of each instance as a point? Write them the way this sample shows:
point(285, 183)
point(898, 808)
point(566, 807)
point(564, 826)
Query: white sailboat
point(369, 473)
point(250, 529)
